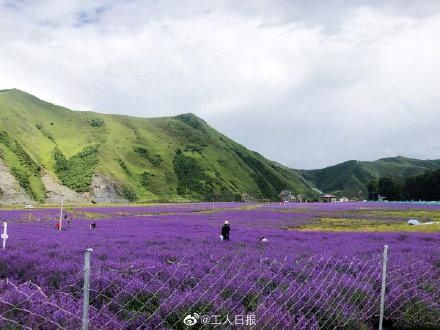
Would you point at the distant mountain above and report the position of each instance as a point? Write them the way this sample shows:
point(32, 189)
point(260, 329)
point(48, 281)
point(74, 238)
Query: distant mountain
point(48, 152)
point(351, 178)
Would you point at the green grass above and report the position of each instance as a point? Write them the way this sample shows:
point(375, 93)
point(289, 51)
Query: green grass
point(425, 215)
point(363, 225)
point(129, 147)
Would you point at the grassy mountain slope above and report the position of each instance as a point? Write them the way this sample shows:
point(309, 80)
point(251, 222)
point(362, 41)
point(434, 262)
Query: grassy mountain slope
point(165, 158)
point(351, 178)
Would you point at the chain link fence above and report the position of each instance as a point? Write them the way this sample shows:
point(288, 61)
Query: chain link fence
point(311, 293)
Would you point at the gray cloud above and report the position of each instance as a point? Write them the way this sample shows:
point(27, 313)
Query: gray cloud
point(306, 83)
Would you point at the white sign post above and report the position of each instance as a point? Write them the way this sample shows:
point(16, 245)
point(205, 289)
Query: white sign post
point(5, 236)
point(61, 215)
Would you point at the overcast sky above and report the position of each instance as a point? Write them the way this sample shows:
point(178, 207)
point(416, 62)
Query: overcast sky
point(305, 83)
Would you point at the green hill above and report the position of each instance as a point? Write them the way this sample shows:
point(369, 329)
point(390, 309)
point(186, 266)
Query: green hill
point(47, 151)
point(351, 178)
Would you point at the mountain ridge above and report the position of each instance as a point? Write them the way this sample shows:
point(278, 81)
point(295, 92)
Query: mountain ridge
point(107, 157)
point(49, 151)
point(350, 178)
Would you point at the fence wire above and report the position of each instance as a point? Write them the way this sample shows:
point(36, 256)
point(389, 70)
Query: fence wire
point(312, 293)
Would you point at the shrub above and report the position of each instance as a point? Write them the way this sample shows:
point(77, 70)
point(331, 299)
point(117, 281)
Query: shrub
point(154, 159)
point(26, 168)
point(76, 172)
point(18, 150)
point(96, 122)
point(146, 179)
point(194, 148)
point(123, 166)
point(129, 194)
point(26, 160)
point(190, 174)
point(23, 180)
point(4, 139)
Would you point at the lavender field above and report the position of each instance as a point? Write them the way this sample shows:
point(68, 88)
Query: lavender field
point(153, 266)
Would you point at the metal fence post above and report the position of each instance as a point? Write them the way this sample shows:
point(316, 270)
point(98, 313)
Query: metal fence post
point(382, 293)
point(85, 317)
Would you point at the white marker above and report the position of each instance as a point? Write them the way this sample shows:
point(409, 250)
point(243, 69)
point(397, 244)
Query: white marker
point(5, 236)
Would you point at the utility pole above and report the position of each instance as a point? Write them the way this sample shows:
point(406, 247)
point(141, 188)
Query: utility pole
point(61, 215)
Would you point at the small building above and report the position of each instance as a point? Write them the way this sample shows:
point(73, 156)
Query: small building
point(343, 199)
point(328, 198)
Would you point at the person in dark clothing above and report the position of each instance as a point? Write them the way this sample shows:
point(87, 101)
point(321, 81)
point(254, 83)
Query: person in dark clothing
point(93, 225)
point(225, 231)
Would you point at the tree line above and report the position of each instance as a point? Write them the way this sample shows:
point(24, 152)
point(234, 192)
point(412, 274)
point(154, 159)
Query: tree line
point(425, 186)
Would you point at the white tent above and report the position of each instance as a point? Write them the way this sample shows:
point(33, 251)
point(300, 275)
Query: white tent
point(413, 222)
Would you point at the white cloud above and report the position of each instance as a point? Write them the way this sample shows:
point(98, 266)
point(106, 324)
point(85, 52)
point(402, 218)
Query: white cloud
point(307, 85)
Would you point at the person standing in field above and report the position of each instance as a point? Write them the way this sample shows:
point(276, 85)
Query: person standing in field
point(225, 230)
